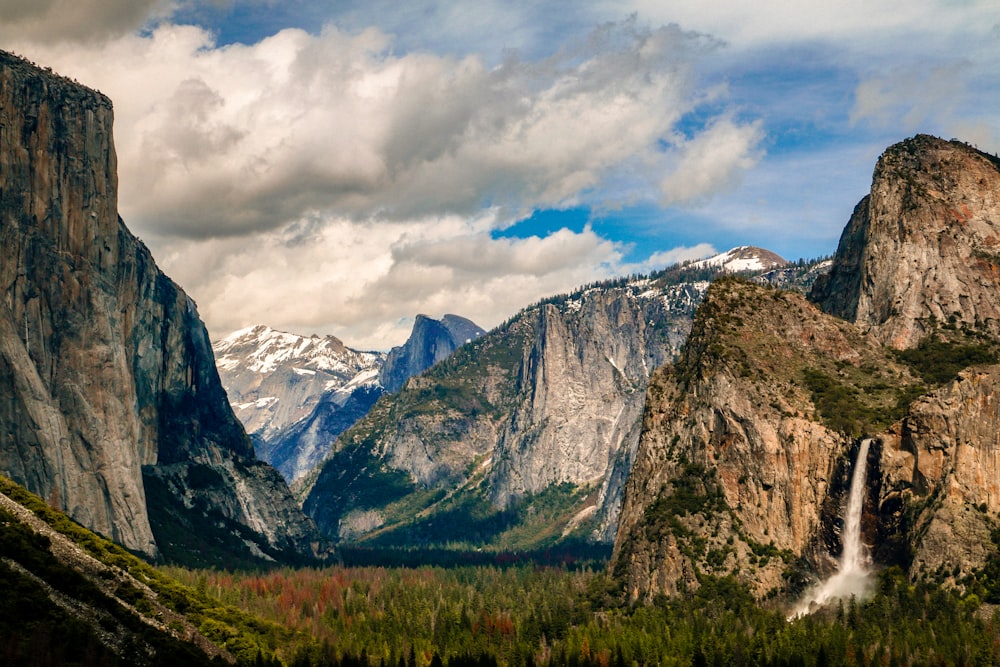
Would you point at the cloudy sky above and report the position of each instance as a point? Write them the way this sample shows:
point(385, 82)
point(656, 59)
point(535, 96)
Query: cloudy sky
point(338, 166)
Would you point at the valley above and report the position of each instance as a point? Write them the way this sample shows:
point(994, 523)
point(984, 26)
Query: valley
point(648, 470)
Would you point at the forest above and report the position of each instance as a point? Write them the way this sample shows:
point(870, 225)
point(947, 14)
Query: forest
point(551, 615)
point(486, 609)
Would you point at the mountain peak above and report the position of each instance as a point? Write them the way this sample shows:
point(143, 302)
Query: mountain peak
point(742, 258)
point(923, 247)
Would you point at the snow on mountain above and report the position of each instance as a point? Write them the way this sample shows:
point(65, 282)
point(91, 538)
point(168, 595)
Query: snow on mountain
point(296, 394)
point(276, 380)
point(742, 258)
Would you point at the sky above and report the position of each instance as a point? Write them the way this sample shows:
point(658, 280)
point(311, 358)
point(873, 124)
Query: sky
point(339, 166)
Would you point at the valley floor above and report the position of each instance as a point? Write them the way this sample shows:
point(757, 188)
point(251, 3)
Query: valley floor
point(533, 615)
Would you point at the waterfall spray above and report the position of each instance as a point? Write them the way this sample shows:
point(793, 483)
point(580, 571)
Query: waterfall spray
point(852, 576)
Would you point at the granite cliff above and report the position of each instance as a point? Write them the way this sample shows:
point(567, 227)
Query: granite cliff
point(748, 440)
point(111, 395)
point(430, 341)
point(747, 443)
point(523, 436)
point(923, 248)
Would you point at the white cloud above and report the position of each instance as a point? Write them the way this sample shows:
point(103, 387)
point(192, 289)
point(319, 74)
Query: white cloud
point(233, 140)
point(365, 282)
point(325, 183)
point(712, 161)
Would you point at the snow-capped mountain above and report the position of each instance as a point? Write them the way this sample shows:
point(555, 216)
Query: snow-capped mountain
point(277, 380)
point(742, 258)
point(296, 394)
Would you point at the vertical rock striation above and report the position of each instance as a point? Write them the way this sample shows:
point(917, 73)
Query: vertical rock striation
point(107, 370)
point(738, 470)
point(430, 341)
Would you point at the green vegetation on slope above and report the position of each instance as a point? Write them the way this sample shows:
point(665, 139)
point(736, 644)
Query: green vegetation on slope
point(938, 360)
point(249, 639)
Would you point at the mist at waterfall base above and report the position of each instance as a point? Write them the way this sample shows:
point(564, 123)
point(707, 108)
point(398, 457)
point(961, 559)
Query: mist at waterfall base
point(852, 578)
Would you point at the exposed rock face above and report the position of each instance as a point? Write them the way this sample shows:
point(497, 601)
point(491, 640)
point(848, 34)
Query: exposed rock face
point(923, 247)
point(430, 341)
point(107, 370)
point(296, 394)
point(739, 452)
point(553, 397)
point(944, 461)
point(735, 468)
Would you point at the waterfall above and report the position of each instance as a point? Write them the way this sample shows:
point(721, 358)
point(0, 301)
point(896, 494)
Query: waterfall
point(852, 575)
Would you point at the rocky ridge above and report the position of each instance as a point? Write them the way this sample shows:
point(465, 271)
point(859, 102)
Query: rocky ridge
point(289, 390)
point(746, 442)
point(748, 439)
point(538, 417)
point(112, 385)
point(296, 394)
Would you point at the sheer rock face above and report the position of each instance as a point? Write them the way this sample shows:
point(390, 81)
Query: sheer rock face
point(919, 252)
point(430, 341)
point(732, 452)
point(106, 368)
point(553, 396)
point(944, 460)
point(923, 247)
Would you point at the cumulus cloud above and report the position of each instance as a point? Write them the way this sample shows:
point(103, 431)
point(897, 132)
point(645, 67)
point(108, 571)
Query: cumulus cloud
point(365, 283)
point(712, 161)
point(234, 140)
point(50, 21)
point(324, 182)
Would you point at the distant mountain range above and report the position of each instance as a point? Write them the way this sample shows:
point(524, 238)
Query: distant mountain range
point(525, 436)
point(296, 394)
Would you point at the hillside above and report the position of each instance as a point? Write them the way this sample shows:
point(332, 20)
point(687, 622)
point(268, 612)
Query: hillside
point(748, 441)
point(521, 438)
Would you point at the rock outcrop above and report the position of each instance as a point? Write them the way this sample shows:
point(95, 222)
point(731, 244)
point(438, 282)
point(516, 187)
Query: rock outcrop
point(747, 440)
point(923, 248)
point(108, 375)
point(545, 407)
point(745, 449)
point(430, 341)
point(940, 487)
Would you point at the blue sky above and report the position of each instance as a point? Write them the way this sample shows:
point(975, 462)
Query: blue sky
point(339, 167)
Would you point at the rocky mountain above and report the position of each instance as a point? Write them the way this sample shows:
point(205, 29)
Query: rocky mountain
point(749, 439)
point(923, 248)
point(523, 437)
point(112, 408)
point(430, 341)
point(741, 259)
point(296, 394)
